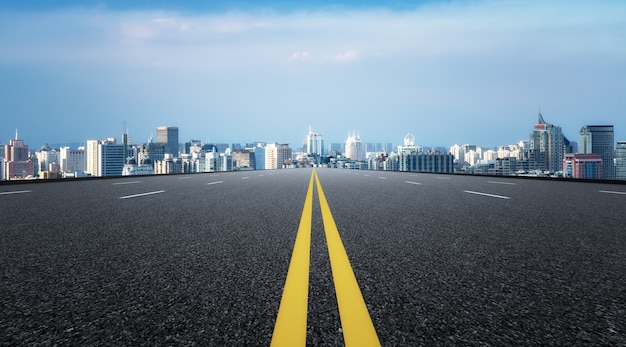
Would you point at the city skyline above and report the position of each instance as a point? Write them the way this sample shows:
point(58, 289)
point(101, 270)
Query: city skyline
point(449, 72)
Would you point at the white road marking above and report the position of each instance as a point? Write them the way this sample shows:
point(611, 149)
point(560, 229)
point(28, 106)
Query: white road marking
point(15, 192)
point(489, 195)
point(245, 178)
point(129, 182)
point(500, 182)
point(383, 178)
point(443, 178)
point(184, 178)
point(366, 175)
point(142, 194)
point(410, 182)
point(216, 182)
point(260, 175)
point(612, 192)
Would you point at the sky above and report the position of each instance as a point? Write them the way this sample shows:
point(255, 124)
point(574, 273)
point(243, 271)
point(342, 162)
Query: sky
point(449, 72)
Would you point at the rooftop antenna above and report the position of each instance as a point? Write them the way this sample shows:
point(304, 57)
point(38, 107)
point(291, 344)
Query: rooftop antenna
point(16, 134)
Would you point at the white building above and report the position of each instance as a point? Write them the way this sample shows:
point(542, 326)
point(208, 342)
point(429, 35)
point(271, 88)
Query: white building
point(105, 158)
point(46, 155)
point(72, 159)
point(408, 145)
point(354, 148)
point(276, 155)
point(314, 143)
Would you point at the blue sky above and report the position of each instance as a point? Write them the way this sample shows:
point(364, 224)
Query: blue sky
point(447, 71)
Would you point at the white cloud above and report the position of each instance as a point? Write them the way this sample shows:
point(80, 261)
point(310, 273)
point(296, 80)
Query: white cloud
point(349, 56)
point(299, 55)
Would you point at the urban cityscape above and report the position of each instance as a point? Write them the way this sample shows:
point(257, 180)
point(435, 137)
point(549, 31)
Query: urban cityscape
point(546, 153)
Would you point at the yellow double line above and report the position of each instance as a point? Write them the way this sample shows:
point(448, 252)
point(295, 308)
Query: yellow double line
point(291, 322)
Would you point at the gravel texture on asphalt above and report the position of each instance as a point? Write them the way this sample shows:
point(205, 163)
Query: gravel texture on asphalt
point(205, 265)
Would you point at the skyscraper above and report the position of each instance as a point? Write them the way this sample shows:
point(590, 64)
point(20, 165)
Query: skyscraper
point(354, 148)
point(547, 146)
point(17, 162)
point(105, 158)
point(314, 143)
point(620, 160)
point(599, 139)
point(168, 136)
point(276, 154)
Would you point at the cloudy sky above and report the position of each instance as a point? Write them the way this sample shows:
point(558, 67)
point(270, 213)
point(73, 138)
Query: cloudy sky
point(447, 71)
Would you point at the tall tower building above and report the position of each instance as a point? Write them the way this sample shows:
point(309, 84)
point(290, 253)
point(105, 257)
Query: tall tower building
point(72, 159)
point(354, 148)
point(599, 139)
point(276, 154)
point(169, 137)
point(17, 162)
point(105, 158)
point(314, 143)
point(547, 146)
point(620, 160)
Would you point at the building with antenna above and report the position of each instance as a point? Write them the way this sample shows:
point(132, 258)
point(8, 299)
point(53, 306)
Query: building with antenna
point(546, 147)
point(314, 143)
point(17, 161)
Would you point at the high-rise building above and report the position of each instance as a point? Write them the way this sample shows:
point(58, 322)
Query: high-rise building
point(105, 158)
point(354, 148)
point(577, 165)
point(547, 146)
point(46, 156)
point(2, 162)
point(259, 157)
point(72, 159)
point(599, 139)
point(17, 162)
point(276, 155)
point(314, 143)
point(168, 136)
point(620, 160)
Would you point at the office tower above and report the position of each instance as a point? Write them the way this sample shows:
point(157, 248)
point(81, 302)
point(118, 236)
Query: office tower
point(547, 146)
point(620, 160)
point(577, 165)
point(105, 158)
point(46, 155)
point(72, 159)
point(599, 139)
point(354, 148)
point(169, 137)
point(276, 155)
point(314, 143)
point(259, 157)
point(2, 162)
point(17, 162)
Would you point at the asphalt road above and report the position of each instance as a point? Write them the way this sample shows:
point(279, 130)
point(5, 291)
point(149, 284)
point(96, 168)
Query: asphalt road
point(202, 259)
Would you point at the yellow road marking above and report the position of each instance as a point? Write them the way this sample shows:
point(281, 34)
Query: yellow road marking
point(291, 323)
point(290, 328)
point(358, 329)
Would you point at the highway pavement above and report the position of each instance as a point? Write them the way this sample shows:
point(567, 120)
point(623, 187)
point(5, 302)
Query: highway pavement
point(202, 259)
